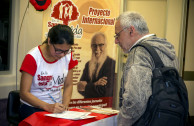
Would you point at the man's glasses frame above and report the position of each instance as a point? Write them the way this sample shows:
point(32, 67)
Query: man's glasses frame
point(59, 51)
point(118, 34)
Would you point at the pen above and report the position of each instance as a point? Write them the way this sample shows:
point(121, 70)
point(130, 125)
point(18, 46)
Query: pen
point(52, 98)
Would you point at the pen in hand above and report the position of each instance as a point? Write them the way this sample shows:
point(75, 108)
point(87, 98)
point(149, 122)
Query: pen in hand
point(52, 98)
point(60, 105)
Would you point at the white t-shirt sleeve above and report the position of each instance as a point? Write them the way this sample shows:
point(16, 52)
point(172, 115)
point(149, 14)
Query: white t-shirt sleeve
point(29, 65)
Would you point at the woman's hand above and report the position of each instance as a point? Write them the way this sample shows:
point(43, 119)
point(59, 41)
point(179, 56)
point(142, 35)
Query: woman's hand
point(56, 108)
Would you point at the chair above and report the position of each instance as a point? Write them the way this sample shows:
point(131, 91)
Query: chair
point(13, 105)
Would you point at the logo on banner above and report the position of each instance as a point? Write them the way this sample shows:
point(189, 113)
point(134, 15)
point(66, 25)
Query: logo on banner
point(65, 11)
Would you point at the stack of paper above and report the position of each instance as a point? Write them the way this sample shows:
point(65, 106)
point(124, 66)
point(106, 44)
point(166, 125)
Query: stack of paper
point(100, 110)
point(72, 115)
point(106, 111)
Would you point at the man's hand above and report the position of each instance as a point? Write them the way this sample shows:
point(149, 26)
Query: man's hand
point(81, 85)
point(102, 81)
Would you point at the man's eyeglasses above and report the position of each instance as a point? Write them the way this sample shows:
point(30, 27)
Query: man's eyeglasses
point(97, 45)
point(58, 51)
point(118, 34)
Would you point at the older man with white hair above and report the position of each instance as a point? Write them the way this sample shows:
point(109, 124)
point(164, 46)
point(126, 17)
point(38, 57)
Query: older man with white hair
point(130, 29)
point(97, 79)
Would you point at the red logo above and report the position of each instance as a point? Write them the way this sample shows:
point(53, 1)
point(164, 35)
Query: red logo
point(65, 11)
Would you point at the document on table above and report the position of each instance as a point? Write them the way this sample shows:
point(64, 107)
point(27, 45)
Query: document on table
point(100, 110)
point(72, 115)
point(105, 111)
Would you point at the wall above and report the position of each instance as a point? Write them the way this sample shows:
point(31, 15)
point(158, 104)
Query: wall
point(31, 30)
point(30, 36)
point(7, 78)
point(189, 60)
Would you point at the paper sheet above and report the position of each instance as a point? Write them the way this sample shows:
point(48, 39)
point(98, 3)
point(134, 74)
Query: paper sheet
point(72, 115)
point(100, 110)
point(105, 111)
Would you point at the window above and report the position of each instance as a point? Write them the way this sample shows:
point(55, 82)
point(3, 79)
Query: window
point(5, 26)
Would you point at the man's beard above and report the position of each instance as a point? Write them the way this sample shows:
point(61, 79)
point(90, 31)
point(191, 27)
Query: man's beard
point(95, 64)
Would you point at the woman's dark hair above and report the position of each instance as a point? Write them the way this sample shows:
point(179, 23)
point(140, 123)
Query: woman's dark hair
point(60, 34)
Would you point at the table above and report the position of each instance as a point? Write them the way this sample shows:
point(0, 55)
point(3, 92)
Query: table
point(39, 119)
point(109, 121)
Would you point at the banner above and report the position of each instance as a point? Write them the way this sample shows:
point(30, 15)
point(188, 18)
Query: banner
point(92, 22)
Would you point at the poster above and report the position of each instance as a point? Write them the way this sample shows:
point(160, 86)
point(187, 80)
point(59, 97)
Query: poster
point(89, 19)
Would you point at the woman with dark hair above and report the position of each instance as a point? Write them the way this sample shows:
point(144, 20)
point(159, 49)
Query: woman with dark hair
point(46, 69)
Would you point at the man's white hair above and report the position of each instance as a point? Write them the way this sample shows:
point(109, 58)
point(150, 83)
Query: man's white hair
point(95, 64)
point(128, 19)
